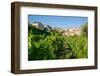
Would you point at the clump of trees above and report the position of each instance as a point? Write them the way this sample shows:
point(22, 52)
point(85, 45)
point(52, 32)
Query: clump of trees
point(44, 45)
point(85, 29)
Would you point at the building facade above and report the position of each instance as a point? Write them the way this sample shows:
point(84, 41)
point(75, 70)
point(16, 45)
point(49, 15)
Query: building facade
point(72, 32)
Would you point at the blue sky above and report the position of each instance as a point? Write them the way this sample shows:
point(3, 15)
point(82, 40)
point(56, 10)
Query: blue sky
point(58, 21)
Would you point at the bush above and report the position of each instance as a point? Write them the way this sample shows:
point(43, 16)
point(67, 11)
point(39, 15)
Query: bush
point(79, 46)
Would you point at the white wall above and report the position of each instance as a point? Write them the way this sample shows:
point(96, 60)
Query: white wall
point(5, 42)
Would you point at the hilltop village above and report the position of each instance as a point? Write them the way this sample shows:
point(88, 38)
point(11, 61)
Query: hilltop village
point(65, 32)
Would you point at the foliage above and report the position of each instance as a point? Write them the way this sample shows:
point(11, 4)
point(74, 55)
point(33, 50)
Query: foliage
point(43, 45)
point(85, 29)
point(79, 45)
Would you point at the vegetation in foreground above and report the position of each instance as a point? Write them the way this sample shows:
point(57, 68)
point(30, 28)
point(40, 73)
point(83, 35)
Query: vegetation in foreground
point(43, 45)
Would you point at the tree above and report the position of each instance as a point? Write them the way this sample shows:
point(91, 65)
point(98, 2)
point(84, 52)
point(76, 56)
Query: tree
point(85, 29)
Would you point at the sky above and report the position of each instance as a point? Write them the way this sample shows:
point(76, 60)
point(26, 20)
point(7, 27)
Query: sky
point(58, 21)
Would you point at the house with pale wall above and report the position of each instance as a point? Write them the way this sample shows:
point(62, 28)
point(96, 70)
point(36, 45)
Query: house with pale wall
point(41, 26)
point(72, 31)
point(38, 25)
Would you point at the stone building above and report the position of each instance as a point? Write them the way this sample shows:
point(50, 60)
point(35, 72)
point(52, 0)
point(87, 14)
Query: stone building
point(42, 26)
point(38, 25)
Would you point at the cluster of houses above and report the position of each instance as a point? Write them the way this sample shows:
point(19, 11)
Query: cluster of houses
point(65, 32)
point(72, 32)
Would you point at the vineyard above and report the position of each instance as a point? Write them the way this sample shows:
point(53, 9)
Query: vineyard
point(43, 45)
